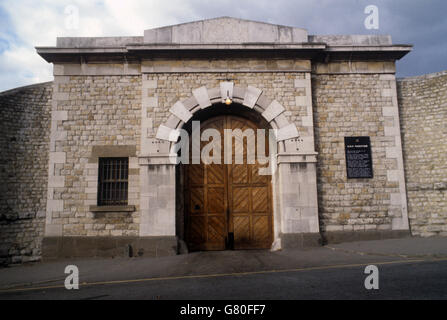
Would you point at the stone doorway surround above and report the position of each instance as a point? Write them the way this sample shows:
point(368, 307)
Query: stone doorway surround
point(294, 183)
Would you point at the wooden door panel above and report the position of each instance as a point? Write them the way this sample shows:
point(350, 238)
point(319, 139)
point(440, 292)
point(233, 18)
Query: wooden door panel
point(240, 200)
point(256, 178)
point(216, 229)
point(216, 200)
point(197, 230)
point(239, 173)
point(225, 198)
point(215, 174)
point(241, 227)
point(196, 173)
point(259, 198)
point(197, 203)
point(261, 228)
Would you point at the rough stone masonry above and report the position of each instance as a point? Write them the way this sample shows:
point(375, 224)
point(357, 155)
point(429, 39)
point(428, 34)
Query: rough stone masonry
point(127, 97)
point(423, 114)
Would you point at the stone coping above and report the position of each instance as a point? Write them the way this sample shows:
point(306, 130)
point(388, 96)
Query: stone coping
point(424, 76)
point(30, 86)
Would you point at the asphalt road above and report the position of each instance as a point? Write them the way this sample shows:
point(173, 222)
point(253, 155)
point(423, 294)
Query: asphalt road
point(397, 280)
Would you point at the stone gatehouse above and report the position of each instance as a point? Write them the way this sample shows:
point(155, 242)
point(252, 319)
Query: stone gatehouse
point(90, 159)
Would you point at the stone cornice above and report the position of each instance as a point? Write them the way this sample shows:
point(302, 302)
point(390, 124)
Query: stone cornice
point(137, 52)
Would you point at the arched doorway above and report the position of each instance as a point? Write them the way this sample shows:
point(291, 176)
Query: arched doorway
point(228, 206)
point(293, 180)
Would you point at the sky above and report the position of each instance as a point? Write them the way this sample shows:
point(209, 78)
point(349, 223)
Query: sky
point(25, 24)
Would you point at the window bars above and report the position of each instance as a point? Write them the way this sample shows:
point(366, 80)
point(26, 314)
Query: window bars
point(113, 181)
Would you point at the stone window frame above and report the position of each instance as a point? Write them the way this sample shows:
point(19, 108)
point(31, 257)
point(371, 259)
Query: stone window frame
point(99, 152)
point(113, 181)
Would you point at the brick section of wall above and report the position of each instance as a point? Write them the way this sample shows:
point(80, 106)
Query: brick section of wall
point(100, 111)
point(354, 105)
point(24, 137)
point(423, 114)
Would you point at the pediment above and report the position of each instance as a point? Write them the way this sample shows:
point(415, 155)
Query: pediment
point(225, 30)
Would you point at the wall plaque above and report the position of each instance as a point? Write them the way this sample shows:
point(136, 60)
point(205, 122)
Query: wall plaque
point(358, 157)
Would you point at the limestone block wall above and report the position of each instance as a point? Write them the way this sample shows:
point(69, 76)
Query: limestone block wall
point(92, 116)
point(24, 137)
point(358, 104)
point(423, 114)
point(168, 88)
point(51, 135)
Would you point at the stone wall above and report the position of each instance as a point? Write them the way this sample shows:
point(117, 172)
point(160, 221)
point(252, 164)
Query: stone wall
point(92, 117)
point(179, 86)
point(68, 124)
point(358, 105)
point(24, 137)
point(423, 114)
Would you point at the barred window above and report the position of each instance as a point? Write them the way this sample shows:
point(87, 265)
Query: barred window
point(113, 181)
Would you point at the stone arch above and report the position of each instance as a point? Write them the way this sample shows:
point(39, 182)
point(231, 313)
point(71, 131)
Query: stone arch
point(251, 97)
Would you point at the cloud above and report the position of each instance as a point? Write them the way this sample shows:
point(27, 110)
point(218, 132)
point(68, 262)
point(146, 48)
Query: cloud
point(25, 24)
point(20, 66)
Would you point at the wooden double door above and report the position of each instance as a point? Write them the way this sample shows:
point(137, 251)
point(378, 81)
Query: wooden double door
point(228, 206)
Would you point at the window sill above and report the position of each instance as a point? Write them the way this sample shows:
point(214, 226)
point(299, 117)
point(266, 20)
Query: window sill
point(112, 208)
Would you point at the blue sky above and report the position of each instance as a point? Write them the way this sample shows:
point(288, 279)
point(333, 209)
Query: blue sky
point(25, 24)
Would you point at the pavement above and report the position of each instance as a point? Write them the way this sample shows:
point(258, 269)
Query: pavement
point(228, 264)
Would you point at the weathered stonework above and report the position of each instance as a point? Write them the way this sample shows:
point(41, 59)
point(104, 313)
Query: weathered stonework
point(24, 136)
point(129, 97)
point(353, 105)
point(179, 86)
point(91, 112)
point(423, 115)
